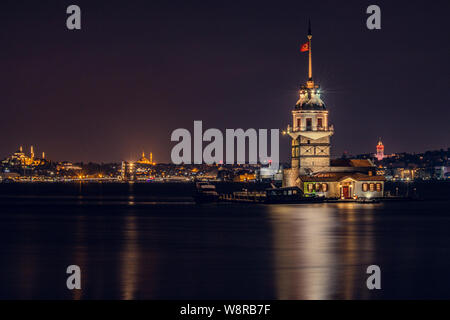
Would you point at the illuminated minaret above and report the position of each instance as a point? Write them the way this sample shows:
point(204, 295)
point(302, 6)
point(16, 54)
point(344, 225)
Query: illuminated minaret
point(151, 157)
point(32, 153)
point(310, 131)
point(380, 150)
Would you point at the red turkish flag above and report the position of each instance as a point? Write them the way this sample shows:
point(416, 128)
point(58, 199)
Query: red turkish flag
point(305, 47)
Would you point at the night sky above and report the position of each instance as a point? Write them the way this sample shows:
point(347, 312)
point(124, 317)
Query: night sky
point(140, 69)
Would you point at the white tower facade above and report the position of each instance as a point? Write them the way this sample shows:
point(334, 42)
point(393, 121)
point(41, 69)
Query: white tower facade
point(310, 130)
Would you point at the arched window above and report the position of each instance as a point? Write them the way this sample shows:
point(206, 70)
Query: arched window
point(324, 187)
point(365, 187)
point(372, 187)
point(310, 187)
point(318, 187)
point(379, 187)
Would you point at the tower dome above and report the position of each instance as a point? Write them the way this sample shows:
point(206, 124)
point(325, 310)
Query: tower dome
point(309, 99)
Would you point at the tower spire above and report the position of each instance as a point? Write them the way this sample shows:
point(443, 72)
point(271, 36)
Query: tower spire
point(309, 51)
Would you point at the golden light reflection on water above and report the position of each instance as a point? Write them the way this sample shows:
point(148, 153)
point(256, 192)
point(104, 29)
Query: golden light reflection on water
point(130, 260)
point(80, 255)
point(319, 251)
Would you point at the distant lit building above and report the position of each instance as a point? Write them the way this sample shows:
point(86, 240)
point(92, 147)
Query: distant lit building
point(442, 172)
point(380, 150)
point(68, 166)
point(267, 173)
point(128, 171)
point(20, 159)
point(244, 177)
point(144, 160)
point(406, 174)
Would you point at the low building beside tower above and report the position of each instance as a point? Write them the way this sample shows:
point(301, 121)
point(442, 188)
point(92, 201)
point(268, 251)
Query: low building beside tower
point(342, 185)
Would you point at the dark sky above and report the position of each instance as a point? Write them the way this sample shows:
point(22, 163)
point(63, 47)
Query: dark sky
point(140, 69)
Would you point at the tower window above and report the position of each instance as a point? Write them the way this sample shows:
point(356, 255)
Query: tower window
point(298, 123)
point(308, 123)
point(319, 122)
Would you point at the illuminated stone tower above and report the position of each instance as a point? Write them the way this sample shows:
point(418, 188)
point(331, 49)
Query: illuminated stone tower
point(310, 131)
point(380, 150)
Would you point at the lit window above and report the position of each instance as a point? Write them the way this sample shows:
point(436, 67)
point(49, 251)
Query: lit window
point(324, 187)
point(310, 187)
point(319, 122)
point(318, 187)
point(372, 187)
point(365, 187)
point(379, 187)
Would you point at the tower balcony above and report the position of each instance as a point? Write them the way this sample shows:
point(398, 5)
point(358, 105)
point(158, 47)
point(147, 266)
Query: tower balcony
point(311, 132)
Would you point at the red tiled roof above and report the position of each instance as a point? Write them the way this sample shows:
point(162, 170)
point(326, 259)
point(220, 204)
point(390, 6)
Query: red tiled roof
point(351, 163)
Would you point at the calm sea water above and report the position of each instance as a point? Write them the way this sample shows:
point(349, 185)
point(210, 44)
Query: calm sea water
point(152, 242)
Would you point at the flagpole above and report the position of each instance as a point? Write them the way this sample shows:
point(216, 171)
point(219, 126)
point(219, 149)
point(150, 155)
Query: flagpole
point(309, 47)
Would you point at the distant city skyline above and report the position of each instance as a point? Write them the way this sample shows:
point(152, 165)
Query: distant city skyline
point(137, 71)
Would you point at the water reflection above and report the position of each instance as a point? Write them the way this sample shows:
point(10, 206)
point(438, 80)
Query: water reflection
point(320, 253)
point(79, 254)
point(222, 251)
point(130, 259)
